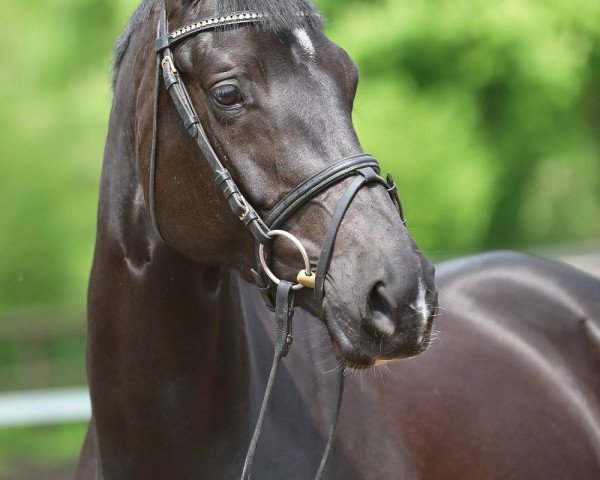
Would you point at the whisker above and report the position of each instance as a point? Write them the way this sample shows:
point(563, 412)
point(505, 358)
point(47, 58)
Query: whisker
point(334, 369)
point(389, 370)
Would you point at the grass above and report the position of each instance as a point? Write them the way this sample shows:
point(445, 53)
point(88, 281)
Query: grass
point(39, 447)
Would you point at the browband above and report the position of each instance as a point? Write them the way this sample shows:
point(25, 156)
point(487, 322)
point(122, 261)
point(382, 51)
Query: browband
point(167, 40)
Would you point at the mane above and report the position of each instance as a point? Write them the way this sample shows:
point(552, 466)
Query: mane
point(282, 16)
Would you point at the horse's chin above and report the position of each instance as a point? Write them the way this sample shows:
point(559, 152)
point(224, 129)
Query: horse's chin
point(355, 354)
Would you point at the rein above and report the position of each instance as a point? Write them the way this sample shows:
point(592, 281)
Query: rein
point(278, 294)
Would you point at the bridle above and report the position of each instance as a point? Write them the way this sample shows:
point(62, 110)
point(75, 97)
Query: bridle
point(278, 294)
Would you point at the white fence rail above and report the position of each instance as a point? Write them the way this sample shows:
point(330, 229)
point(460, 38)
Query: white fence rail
point(44, 407)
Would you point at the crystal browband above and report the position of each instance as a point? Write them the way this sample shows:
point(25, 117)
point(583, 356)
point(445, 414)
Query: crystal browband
point(218, 21)
point(211, 23)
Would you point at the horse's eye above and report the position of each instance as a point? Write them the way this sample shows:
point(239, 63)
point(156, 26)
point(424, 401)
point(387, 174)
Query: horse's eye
point(227, 96)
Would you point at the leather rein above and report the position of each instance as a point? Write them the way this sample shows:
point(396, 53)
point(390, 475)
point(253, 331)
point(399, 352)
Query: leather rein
point(278, 294)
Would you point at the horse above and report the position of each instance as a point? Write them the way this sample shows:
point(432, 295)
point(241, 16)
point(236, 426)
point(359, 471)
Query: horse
point(180, 340)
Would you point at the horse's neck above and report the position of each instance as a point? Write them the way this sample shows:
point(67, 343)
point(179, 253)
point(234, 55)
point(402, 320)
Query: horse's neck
point(192, 311)
point(178, 356)
point(173, 345)
point(170, 352)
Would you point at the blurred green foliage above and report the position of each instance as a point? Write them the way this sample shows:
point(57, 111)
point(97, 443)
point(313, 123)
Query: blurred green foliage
point(42, 446)
point(487, 112)
point(55, 96)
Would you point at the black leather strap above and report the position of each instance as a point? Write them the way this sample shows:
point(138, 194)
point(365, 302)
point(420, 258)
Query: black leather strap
point(365, 166)
point(153, 153)
point(334, 422)
point(284, 312)
point(316, 184)
point(300, 196)
point(393, 191)
point(283, 339)
point(366, 175)
point(187, 112)
point(327, 248)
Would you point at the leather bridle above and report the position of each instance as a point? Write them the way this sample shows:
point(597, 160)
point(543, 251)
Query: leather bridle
point(278, 294)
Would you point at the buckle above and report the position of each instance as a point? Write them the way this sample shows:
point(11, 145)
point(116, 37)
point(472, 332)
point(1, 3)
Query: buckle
point(247, 211)
point(167, 61)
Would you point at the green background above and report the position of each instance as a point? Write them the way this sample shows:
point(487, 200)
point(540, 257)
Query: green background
point(487, 112)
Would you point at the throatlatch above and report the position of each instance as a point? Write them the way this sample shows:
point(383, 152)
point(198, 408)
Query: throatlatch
point(278, 294)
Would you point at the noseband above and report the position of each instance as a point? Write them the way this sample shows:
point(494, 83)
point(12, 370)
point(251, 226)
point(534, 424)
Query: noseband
point(278, 294)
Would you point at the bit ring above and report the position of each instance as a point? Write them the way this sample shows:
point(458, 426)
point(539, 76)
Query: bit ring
point(299, 246)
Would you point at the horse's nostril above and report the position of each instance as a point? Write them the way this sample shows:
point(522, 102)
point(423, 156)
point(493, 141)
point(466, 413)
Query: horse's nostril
point(378, 302)
point(380, 320)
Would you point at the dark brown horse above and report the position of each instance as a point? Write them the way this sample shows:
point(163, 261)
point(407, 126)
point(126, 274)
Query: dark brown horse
point(180, 342)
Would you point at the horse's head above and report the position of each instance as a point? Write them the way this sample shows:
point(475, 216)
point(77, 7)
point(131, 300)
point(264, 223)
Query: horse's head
point(276, 103)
